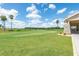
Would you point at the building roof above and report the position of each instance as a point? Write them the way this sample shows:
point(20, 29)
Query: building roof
point(72, 16)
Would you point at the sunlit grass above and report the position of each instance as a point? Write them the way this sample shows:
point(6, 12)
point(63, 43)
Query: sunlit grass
point(26, 43)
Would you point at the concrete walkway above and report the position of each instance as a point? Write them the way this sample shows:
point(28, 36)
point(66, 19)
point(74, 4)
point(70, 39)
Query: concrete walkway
point(75, 41)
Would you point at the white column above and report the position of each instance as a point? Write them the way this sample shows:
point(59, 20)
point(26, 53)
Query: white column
point(67, 28)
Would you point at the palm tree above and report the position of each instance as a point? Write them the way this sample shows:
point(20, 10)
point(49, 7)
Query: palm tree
point(57, 22)
point(0, 25)
point(3, 18)
point(11, 17)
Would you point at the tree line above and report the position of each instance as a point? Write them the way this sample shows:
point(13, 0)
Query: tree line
point(11, 17)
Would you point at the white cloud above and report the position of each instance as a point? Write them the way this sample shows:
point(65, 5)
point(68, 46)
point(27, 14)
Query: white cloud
point(43, 4)
point(53, 23)
point(52, 6)
point(46, 19)
point(36, 21)
point(16, 24)
point(31, 8)
point(61, 11)
point(7, 12)
point(45, 9)
point(73, 11)
point(13, 12)
point(33, 12)
point(33, 16)
point(19, 24)
point(3, 11)
point(43, 24)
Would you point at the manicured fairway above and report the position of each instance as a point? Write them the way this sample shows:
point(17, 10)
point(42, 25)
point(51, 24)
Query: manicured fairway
point(35, 43)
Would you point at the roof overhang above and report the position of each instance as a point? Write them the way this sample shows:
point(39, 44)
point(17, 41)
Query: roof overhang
point(72, 17)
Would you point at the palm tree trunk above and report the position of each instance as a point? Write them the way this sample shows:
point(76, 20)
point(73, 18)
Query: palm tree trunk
point(3, 25)
point(57, 27)
point(11, 25)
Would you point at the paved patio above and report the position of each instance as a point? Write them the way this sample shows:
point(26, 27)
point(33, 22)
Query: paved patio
point(75, 41)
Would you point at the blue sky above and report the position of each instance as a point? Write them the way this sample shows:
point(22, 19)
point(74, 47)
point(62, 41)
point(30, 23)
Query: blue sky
point(39, 14)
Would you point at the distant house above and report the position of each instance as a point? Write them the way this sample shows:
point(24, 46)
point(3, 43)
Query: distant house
point(71, 24)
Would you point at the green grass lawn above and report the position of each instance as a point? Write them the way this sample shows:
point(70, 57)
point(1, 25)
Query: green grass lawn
point(35, 43)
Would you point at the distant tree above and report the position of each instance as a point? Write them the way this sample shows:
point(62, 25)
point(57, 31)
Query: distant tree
point(3, 18)
point(11, 18)
point(0, 25)
point(57, 22)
